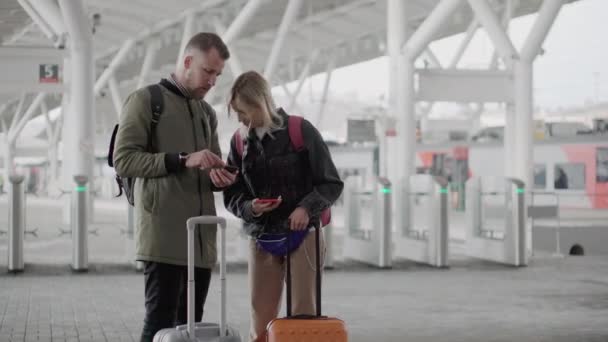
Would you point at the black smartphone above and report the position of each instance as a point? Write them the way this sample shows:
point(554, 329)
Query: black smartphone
point(231, 169)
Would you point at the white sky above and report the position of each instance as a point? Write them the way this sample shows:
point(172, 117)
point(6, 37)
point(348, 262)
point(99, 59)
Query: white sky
point(572, 72)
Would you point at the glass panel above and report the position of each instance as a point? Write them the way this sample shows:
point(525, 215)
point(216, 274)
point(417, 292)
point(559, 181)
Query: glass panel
point(540, 176)
point(569, 176)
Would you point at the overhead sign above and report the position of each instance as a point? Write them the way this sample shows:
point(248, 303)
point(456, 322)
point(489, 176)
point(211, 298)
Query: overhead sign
point(361, 130)
point(25, 69)
point(49, 73)
point(465, 85)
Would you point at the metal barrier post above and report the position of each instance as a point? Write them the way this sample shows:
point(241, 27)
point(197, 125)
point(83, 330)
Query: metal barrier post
point(440, 230)
point(16, 229)
point(559, 228)
point(352, 222)
point(79, 222)
point(384, 222)
point(373, 244)
point(516, 197)
point(473, 208)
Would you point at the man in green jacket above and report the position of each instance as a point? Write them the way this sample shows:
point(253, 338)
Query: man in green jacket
point(175, 180)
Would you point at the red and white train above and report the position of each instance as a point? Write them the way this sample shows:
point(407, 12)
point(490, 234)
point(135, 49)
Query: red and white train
point(575, 169)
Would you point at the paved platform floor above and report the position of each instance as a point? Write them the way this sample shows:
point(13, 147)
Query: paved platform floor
point(550, 300)
point(553, 299)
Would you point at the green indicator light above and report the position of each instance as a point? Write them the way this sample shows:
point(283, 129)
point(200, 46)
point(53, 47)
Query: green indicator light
point(81, 188)
point(520, 190)
point(386, 190)
point(443, 190)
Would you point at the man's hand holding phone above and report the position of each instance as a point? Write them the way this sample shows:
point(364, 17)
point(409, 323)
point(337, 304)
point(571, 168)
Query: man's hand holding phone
point(203, 159)
point(264, 205)
point(223, 176)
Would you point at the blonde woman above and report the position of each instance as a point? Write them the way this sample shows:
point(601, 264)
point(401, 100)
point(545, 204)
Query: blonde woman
point(278, 190)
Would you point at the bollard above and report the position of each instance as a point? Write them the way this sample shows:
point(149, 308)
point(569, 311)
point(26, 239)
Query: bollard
point(79, 222)
point(384, 221)
point(16, 229)
point(440, 194)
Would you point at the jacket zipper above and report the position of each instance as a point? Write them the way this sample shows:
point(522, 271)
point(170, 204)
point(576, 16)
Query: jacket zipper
point(198, 176)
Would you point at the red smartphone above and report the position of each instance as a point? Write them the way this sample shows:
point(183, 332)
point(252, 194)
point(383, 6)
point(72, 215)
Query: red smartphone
point(267, 200)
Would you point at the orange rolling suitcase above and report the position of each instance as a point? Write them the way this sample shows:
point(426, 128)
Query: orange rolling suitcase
point(306, 328)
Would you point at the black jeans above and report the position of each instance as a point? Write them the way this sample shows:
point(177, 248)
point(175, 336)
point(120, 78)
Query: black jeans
point(166, 296)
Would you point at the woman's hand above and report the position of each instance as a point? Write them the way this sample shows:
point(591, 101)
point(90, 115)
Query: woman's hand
point(298, 220)
point(260, 208)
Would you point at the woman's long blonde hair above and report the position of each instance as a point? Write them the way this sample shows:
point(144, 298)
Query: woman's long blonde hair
point(252, 89)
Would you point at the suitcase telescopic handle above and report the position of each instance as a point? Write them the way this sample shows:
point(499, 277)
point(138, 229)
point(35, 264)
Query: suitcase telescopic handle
point(317, 272)
point(191, 225)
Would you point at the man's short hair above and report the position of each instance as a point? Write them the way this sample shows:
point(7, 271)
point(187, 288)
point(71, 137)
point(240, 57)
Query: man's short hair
point(205, 41)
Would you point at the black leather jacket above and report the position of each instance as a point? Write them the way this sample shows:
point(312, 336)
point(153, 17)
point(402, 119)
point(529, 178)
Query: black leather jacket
point(271, 167)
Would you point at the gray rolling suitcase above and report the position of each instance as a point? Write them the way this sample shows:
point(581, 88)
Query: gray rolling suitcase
point(204, 332)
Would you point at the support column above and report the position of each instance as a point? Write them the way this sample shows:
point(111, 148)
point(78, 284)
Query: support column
point(9, 162)
point(396, 35)
point(523, 76)
point(524, 123)
point(406, 108)
point(509, 139)
point(82, 111)
point(406, 103)
point(81, 116)
point(16, 227)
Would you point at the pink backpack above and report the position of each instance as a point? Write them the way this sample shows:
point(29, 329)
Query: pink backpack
point(294, 125)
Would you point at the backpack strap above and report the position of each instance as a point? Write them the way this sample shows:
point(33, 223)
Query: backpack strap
point(111, 149)
point(294, 125)
point(156, 104)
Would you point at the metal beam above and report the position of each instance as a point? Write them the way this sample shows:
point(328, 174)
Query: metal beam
point(433, 60)
point(289, 15)
point(328, 73)
point(146, 66)
point(115, 94)
point(49, 10)
point(546, 16)
point(241, 20)
point(48, 124)
point(14, 133)
point(19, 34)
point(115, 63)
point(18, 112)
point(429, 27)
point(163, 24)
point(186, 35)
point(233, 61)
point(44, 26)
point(488, 20)
point(303, 75)
point(471, 30)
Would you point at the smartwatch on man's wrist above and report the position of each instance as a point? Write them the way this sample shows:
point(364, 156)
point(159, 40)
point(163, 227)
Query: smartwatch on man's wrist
point(183, 156)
